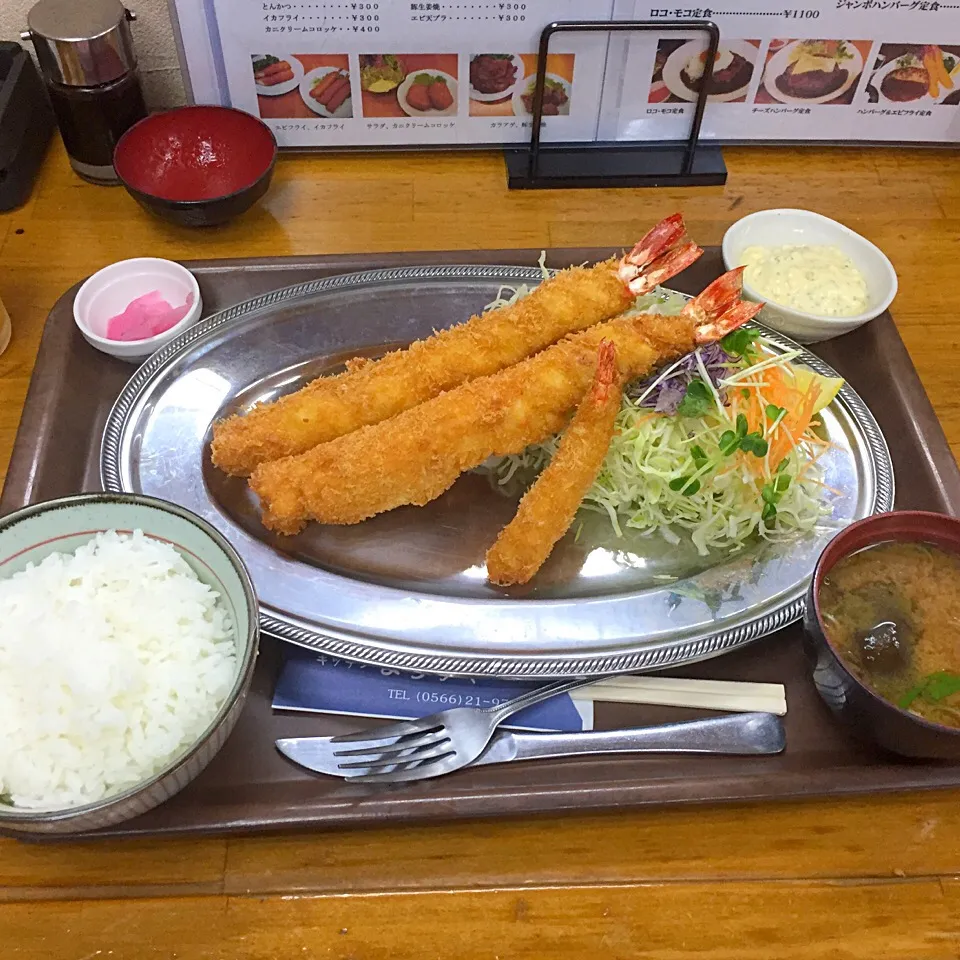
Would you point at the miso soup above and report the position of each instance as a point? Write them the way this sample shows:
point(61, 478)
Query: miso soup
point(892, 611)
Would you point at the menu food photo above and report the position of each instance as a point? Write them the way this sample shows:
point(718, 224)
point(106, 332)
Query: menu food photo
point(366, 74)
point(854, 70)
point(362, 74)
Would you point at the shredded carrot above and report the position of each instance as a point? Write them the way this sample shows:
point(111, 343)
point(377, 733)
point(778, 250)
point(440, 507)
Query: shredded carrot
point(794, 424)
point(780, 393)
point(824, 486)
point(809, 464)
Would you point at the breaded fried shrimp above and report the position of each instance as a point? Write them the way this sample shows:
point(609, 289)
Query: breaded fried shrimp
point(548, 507)
point(372, 391)
point(415, 456)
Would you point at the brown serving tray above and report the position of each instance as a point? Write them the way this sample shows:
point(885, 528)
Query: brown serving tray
point(250, 786)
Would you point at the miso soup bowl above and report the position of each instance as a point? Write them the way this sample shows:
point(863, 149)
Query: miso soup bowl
point(855, 705)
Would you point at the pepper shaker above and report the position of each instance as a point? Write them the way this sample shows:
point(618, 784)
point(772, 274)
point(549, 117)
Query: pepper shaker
point(89, 65)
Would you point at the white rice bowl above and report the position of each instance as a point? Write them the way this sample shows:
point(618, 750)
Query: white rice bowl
point(113, 661)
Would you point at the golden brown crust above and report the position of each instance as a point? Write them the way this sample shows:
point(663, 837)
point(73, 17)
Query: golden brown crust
point(548, 507)
point(369, 392)
point(415, 456)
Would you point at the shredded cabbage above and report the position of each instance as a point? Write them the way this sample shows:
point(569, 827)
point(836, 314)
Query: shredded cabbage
point(724, 500)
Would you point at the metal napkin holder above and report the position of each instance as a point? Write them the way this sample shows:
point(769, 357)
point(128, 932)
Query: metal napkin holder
point(619, 163)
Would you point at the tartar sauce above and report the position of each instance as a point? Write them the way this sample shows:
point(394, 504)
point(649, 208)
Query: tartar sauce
point(815, 279)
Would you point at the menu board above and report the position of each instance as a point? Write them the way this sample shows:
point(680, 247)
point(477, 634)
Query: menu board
point(373, 72)
point(863, 70)
point(367, 73)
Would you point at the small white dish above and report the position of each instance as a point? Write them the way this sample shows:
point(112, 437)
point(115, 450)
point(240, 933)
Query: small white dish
point(110, 291)
point(780, 227)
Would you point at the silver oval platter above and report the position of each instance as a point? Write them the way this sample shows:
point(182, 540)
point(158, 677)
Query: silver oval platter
point(407, 589)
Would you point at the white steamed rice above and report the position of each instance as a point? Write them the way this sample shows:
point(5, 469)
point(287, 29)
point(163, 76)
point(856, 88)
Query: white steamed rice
point(113, 660)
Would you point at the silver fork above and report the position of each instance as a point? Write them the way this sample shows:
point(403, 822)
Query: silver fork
point(440, 743)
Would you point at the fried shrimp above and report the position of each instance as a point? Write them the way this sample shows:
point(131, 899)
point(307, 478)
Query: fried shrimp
point(548, 507)
point(369, 392)
point(415, 456)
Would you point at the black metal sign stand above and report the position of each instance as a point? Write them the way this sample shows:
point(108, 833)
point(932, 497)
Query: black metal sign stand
point(619, 163)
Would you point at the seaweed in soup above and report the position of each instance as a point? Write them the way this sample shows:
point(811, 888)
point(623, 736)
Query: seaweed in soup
point(892, 611)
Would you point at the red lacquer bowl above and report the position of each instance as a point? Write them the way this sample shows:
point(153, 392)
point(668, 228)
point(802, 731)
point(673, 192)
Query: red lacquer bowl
point(197, 166)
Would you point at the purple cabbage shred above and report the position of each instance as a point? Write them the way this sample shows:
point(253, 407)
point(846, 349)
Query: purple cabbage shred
point(666, 396)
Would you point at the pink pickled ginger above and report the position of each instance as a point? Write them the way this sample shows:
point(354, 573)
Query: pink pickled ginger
point(146, 316)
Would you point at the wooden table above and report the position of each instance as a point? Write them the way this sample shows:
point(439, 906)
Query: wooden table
point(852, 878)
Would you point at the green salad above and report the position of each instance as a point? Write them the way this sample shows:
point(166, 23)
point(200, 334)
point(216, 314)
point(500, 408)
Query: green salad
point(722, 445)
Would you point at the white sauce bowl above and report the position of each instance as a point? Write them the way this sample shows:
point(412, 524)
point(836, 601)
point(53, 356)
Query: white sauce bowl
point(782, 227)
point(110, 290)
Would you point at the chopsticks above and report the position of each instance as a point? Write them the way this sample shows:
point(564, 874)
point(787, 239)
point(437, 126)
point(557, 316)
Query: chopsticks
point(734, 696)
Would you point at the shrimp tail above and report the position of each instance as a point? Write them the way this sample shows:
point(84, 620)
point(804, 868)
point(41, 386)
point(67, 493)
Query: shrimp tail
point(718, 310)
point(661, 254)
point(606, 370)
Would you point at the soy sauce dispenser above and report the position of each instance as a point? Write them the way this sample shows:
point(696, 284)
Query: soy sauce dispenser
point(86, 55)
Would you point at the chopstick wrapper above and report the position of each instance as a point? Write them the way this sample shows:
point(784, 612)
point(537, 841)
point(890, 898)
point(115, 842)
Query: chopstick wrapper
point(736, 696)
point(319, 684)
